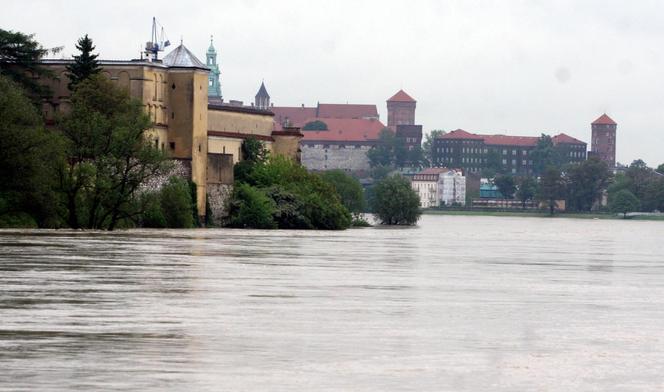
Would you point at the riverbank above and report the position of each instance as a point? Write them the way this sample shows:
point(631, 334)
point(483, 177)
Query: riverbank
point(541, 214)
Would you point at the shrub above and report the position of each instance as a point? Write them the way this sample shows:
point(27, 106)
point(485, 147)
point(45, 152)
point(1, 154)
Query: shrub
point(623, 202)
point(153, 214)
point(394, 202)
point(251, 208)
point(176, 203)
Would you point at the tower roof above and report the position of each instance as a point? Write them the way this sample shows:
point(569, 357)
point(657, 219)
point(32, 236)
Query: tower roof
point(401, 96)
point(211, 49)
point(182, 57)
point(262, 92)
point(604, 120)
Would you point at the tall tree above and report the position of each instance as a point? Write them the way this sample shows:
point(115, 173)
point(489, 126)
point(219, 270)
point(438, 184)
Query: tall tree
point(586, 182)
point(29, 158)
point(109, 156)
point(84, 65)
point(527, 189)
point(544, 154)
point(20, 57)
point(660, 169)
point(383, 153)
point(349, 189)
point(624, 202)
point(428, 145)
point(551, 188)
point(506, 186)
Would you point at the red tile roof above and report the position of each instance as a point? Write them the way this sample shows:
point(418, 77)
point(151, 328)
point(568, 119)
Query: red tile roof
point(401, 96)
point(504, 140)
point(345, 130)
point(604, 120)
point(296, 115)
point(460, 134)
point(566, 139)
point(334, 110)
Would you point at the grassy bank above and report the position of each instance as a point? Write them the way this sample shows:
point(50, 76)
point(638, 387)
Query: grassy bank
point(537, 214)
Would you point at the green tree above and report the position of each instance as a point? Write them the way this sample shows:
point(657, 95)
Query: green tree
point(527, 189)
point(660, 169)
point(623, 202)
point(551, 188)
point(653, 198)
point(494, 165)
point(176, 204)
point(84, 65)
point(415, 157)
point(428, 145)
point(506, 185)
point(348, 188)
point(639, 175)
point(315, 126)
point(586, 182)
point(108, 155)
point(394, 202)
point(29, 159)
point(251, 208)
point(383, 153)
point(20, 57)
point(544, 155)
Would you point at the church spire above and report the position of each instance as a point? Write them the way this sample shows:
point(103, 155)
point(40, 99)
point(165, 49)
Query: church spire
point(262, 98)
point(214, 85)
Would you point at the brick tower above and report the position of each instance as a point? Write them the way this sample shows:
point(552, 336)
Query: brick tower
point(604, 139)
point(400, 110)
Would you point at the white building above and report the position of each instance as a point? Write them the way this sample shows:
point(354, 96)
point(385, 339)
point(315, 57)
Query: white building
point(440, 186)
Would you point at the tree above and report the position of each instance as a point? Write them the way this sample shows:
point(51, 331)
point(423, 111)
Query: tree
point(660, 169)
point(108, 155)
point(349, 189)
point(544, 154)
point(175, 198)
point(383, 153)
point(428, 145)
point(639, 175)
point(251, 208)
point(394, 202)
point(415, 157)
point(494, 165)
point(551, 188)
point(623, 202)
point(653, 198)
point(586, 182)
point(19, 60)
point(29, 159)
point(527, 189)
point(506, 186)
point(316, 125)
point(84, 65)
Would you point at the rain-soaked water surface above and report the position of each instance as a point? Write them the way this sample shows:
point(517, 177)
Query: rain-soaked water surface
point(456, 304)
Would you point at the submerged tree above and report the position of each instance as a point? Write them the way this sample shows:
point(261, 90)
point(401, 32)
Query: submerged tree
point(551, 188)
point(84, 65)
point(623, 202)
point(527, 189)
point(394, 202)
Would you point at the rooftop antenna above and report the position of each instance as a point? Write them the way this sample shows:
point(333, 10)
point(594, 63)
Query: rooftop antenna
point(157, 42)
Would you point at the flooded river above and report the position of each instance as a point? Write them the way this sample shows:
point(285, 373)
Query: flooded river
point(455, 304)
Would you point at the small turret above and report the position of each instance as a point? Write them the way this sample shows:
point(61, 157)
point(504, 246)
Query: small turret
point(262, 98)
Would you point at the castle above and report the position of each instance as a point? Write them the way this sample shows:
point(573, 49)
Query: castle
point(190, 121)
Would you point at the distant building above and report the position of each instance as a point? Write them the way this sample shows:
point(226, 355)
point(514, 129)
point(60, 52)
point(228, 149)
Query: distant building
point(439, 186)
point(604, 139)
point(401, 119)
point(338, 143)
point(214, 85)
point(474, 152)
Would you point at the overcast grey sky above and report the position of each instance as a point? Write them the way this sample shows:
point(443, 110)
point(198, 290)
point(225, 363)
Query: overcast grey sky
point(512, 67)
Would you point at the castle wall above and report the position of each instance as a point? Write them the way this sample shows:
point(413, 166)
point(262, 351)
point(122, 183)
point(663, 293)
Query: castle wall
point(328, 157)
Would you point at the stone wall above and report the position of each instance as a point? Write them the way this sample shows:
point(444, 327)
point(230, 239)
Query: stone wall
point(328, 157)
point(218, 196)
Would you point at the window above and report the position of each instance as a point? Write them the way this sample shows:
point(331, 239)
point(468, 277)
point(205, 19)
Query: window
point(504, 161)
point(514, 162)
point(504, 152)
point(172, 145)
point(513, 152)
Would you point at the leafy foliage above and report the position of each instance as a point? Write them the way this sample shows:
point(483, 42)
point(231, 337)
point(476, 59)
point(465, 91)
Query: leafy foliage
point(394, 202)
point(527, 189)
point(298, 199)
point(315, 126)
point(585, 183)
point(545, 154)
point(19, 60)
point(29, 160)
point(623, 202)
point(108, 155)
point(428, 145)
point(551, 188)
point(506, 185)
point(84, 65)
point(349, 189)
point(176, 203)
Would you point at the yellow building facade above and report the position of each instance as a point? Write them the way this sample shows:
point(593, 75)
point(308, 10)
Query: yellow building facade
point(174, 92)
